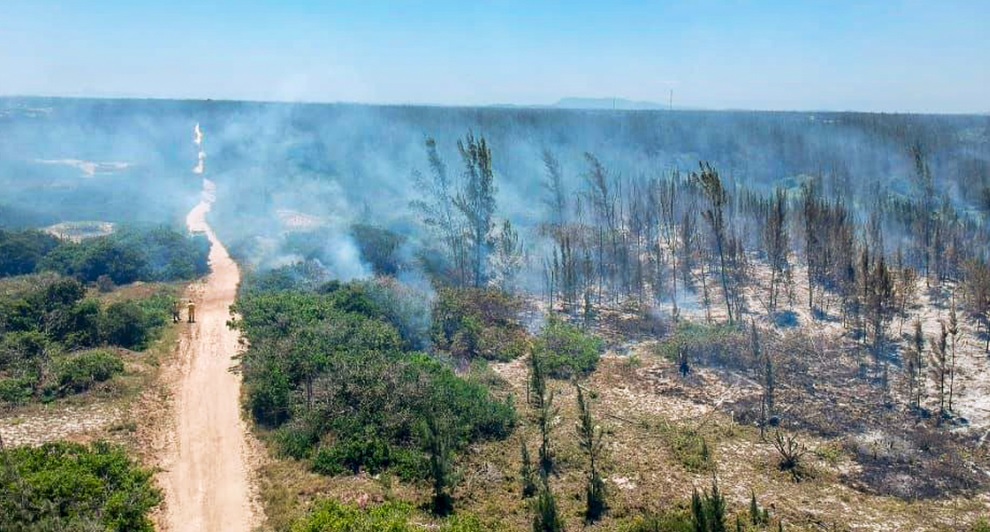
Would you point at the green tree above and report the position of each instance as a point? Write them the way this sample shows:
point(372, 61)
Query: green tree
point(776, 243)
point(555, 193)
point(476, 202)
point(528, 473)
point(953, 331)
point(541, 398)
point(546, 517)
point(508, 258)
point(440, 438)
point(718, 200)
point(438, 211)
point(941, 368)
point(708, 509)
point(591, 440)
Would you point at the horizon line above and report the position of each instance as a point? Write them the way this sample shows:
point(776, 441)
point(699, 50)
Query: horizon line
point(552, 106)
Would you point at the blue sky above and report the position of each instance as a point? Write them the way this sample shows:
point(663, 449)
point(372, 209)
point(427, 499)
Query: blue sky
point(885, 55)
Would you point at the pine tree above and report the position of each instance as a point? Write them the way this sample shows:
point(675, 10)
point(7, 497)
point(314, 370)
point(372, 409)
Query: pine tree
point(547, 518)
point(915, 359)
point(699, 515)
point(528, 473)
point(940, 368)
point(667, 197)
point(438, 211)
point(590, 438)
point(541, 398)
point(757, 517)
point(508, 257)
point(754, 510)
point(476, 202)
point(718, 199)
point(954, 333)
point(553, 186)
point(439, 440)
point(708, 510)
point(775, 242)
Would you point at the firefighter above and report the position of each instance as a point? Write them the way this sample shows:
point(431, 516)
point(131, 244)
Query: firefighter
point(175, 312)
point(192, 312)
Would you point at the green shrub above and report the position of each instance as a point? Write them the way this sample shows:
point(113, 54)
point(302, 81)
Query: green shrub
point(372, 455)
point(332, 516)
point(68, 486)
point(296, 439)
point(268, 398)
point(673, 520)
point(689, 447)
point(23, 351)
point(567, 350)
point(42, 316)
point(16, 391)
point(721, 345)
point(78, 373)
point(124, 324)
point(463, 523)
point(478, 322)
point(329, 370)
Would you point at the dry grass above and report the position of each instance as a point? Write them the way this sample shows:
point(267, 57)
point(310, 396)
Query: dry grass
point(657, 424)
point(652, 464)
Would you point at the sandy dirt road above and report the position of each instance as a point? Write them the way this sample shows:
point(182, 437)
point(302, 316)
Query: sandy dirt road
point(207, 472)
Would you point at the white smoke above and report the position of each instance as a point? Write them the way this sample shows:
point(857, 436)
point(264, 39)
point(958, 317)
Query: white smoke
point(198, 140)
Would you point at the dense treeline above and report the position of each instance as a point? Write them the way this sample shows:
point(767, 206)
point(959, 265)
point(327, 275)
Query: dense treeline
point(128, 255)
point(334, 371)
point(52, 335)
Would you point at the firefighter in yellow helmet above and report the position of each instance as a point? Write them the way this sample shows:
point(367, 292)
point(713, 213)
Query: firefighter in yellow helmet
point(192, 312)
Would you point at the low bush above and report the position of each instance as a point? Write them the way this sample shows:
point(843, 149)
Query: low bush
point(44, 316)
point(16, 391)
point(718, 345)
point(567, 350)
point(373, 455)
point(331, 372)
point(332, 516)
point(677, 519)
point(78, 373)
point(69, 486)
point(478, 322)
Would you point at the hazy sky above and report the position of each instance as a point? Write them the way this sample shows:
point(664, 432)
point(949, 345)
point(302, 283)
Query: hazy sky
point(884, 55)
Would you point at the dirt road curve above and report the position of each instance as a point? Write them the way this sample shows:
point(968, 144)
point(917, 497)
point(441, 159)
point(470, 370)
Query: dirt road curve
point(207, 470)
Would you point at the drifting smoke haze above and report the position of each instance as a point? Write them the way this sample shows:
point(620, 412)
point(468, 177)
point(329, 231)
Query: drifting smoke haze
point(290, 173)
point(200, 154)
